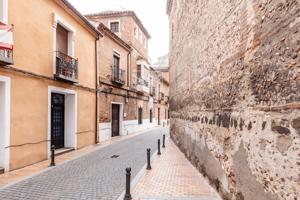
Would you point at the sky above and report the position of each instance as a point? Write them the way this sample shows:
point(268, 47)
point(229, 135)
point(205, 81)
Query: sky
point(152, 13)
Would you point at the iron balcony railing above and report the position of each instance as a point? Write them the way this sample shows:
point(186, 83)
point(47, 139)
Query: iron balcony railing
point(141, 81)
point(66, 67)
point(6, 57)
point(118, 75)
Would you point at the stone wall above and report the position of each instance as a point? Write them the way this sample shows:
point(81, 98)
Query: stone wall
point(235, 94)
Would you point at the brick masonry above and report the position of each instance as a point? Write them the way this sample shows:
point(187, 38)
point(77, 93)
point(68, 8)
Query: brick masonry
point(235, 94)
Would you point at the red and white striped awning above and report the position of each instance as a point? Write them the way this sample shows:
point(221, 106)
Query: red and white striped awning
point(6, 36)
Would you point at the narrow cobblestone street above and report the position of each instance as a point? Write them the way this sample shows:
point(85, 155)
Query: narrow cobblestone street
point(93, 176)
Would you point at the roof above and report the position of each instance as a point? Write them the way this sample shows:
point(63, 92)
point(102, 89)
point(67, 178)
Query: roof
point(80, 16)
point(102, 28)
point(106, 14)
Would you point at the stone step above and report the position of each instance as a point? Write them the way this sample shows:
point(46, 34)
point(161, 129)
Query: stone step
point(2, 170)
point(64, 150)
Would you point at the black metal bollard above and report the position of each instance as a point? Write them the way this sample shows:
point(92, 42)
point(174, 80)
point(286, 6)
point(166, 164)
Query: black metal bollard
point(164, 141)
point(52, 156)
point(148, 160)
point(127, 194)
point(158, 147)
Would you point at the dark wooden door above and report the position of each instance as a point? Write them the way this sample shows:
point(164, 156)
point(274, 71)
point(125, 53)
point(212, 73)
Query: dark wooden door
point(151, 116)
point(140, 115)
point(158, 112)
point(115, 125)
point(58, 120)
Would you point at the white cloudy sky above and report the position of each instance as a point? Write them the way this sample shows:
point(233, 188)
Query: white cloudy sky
point(151, 12)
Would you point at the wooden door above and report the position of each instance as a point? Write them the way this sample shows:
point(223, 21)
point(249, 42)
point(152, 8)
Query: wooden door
point(158, 112)
point(140, 115)
point(151, 115)
point(115, 129)
point(57, 120)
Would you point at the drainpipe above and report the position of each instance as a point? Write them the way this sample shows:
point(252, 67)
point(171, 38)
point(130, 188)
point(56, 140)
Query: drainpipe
point(97, 109)
point(128, 69)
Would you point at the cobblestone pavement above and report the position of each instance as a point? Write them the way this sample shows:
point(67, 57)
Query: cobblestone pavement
point(93, 176)
point(173, 178)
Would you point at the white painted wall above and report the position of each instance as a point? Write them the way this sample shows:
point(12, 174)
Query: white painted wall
point(70, 120)
point(5, 87)
point(128, 127)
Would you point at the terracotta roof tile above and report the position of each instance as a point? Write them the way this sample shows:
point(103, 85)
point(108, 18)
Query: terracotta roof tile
point(131, 13)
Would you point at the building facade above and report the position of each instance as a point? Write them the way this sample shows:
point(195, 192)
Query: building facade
point(125, 107)
point(235, 94)
point(67, 82)
point(47, 82)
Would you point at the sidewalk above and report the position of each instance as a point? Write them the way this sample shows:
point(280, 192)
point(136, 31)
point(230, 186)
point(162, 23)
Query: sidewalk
point(14, 176)
point(172, 178)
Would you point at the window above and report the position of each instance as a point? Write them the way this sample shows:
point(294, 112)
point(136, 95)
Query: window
point(61, 39)
point(4, 11)
point(139, 71)
point(116, 61)
point(64, 40)
point(115, 27)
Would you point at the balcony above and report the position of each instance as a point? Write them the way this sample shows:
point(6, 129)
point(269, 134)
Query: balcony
point(66, 68)
point(6, 44)
point(118, 76)
point(6, 57)
point(142, 85)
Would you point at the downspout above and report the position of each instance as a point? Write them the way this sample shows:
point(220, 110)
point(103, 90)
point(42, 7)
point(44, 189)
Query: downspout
point(97, 98)
point(128, 68)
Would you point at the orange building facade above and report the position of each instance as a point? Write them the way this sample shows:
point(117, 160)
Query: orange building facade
point(48, 88)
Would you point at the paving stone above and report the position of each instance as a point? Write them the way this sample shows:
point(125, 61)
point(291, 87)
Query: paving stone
point(93, 176)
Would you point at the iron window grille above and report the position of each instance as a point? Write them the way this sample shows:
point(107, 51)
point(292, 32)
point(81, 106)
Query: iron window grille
point(114, 27)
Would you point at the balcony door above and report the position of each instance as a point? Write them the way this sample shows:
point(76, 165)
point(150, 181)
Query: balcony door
point(116, 66)
point(140, 115)
point(115, 121)
point(62, 39)
point(151, 116)
point(58, 120)
point(158, 117)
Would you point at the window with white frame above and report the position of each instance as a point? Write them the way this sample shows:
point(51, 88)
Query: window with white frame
point(115, 27)
point(64, 37)
point(4, 11)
